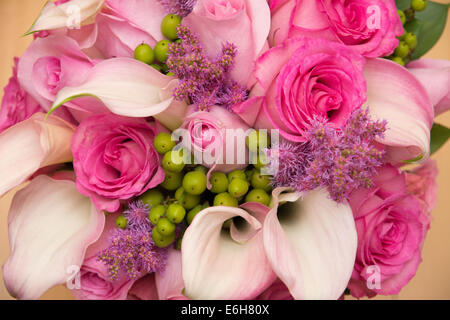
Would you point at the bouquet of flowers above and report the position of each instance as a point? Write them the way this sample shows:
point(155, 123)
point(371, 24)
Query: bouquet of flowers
point(223, 149)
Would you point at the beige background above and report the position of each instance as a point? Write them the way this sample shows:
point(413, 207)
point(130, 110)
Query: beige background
point(433, 277)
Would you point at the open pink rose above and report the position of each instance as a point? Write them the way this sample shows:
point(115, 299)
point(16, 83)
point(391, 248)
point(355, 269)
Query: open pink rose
point(421, 182)
point(220, 21)
point(368, 26)
point(391, 226)
point(114, 159)
point(17, 104)
point(208, 138)
point(303, 79)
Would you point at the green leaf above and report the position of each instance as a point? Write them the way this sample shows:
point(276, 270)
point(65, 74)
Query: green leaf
point(439, 136)
point(428, 25)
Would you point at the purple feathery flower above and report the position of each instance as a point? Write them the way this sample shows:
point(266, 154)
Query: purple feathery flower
point(179, 7)
point(341, 160)
point(132, 249)
point(203, 82)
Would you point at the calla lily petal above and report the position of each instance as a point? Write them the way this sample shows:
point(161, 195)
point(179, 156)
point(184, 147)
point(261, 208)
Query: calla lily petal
point(65, 15)
point(311, 244)
point(50, 227)
point(169, 282)
point(395, 95)
point(126, 86)
point(215, 266)
point(30, 145)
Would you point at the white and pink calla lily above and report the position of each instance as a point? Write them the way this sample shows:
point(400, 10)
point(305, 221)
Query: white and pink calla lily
point(312, 252)
point(66, 15)
point(30, 145)
point(50, 227)
point(129, 88)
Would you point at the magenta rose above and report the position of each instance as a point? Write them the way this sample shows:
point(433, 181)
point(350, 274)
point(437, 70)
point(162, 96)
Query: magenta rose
point(17, 104)
point(421, 182)
point(391, 226)
point(368, 26)
point(303, 79)
point(114, 159)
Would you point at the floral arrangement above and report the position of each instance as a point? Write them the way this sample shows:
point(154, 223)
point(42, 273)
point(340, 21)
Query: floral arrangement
point(223, 149)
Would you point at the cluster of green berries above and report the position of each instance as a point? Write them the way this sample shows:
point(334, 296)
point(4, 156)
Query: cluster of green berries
point(157, 56)
point(408, 41)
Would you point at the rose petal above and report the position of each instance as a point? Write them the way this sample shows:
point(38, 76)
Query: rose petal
point(30, 145)
point(313, 249)
point(169, 283)
point(50, 227)
point(395, 95)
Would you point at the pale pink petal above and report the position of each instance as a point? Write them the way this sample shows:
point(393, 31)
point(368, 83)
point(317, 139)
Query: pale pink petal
point(217, 267)
point(395, 95)
point(50, 226)
point(32, 144)
point(311, 244)
point(67, 14)
point(144, 289)
point(169, 283)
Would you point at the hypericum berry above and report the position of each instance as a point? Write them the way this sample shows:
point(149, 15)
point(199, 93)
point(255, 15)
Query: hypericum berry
point(225, 199)
point(402, 50)
point(238, 188)
point(169, 26)
point(163, 143)
point(156, 213)
point(165, 227)
point(121, 222)
point(258, 195)
point(144, 53)
point(189, 201)
point(411, 40)
point(419, 5)
point(399, 61)
point(260, 181)
point(162, 241)
point(201, 169)
point(194, 182)
point(219, 182)
point(172, 180)
point(152, 197)
point(402, 16)
point(236, 174)
point(193, 212)
point(156, 66)
point(175, 213)
point(161, 50)
point(257, 140)
point(173, 161)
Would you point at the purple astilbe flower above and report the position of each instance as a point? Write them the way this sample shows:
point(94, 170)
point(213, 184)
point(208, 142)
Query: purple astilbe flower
point(132, 249)
point(341, 160)
point(203, 82)
point(179, 7)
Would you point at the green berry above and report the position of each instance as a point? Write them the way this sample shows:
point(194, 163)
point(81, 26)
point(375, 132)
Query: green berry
point(161, 50)
point(169, 26)
point(164, 68)
point(156, 213)
point(193, 212)
point(256, 140)
point(162, 241)
point(219, 182)
point(249, 173)
point(175, 213)
point(411, 40)
point(144, 53)
point(402, 16)
point(152, 197)
point(258, 195)
point(194, 182)
point(419, 5)
point(172, 180)
point(165, 227)
point(173, 161)
point(201, 169)
point(225, 199)
point(179, 194)
point(178, 243)
point(163, 143)
point(121, 222)
point(237, 174)
point(399, 61)
point(402, 50)
point(189, 201)
point(170, 74)
point(156, 66)
point(238, 188)
point(261, 161)
point(260, 181)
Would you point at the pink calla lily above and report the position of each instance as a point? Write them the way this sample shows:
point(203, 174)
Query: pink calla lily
point(50, 227)
point(313, 253)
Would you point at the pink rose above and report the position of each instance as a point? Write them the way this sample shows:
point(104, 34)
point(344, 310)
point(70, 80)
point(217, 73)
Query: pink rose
point(304, 79)
point(421, 182)
point(220, 21)
point(114, 159)
point(17, 104)
point(95, 283)
point(277, 291)
point(209, 143)
point(391, 227)
point(144, 289)
point(368, 26)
